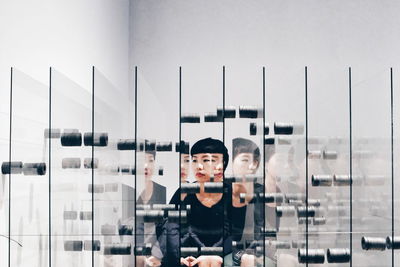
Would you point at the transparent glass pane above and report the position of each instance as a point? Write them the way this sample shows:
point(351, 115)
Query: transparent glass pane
point(328, 163)
point(29, 196)
point(4, 158)
point(113, 187)
point(372, 217)
point(285, 159)
point(71, 201)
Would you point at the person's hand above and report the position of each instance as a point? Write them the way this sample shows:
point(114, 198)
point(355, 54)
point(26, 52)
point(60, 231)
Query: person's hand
point(153, 261)
point(248, 260)
point(188, 261)
point(208, 261)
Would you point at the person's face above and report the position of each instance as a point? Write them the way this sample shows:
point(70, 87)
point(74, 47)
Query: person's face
point(184, 166)
point(205, 165)
point(244, 164)
point(148, 166)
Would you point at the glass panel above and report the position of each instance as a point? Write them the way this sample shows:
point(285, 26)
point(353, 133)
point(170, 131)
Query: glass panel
point(113, 187)
point(244, 139)
point(286, 166)
point(71, 201)
point(157, 176)
point(328, 164)
point(29, 172)
point(4, 158)
point(372, 216)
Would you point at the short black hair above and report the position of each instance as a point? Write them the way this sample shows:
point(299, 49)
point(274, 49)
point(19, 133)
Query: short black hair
point(209, 145)
point(150, 147)
point(243, 145)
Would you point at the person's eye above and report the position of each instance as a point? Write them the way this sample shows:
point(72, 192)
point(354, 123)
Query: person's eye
point(206, 160)
point(245, 160)
point(195, 160)
point(186, 161)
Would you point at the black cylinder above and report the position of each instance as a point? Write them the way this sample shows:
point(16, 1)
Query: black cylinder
point(190, 118)
point(373, 243)
point(85, 215)
point(217, 251)
point(71, 163)
point(164, 146)
point(190, 188)
point(71, 138)
point(329, 154)
point(34, 168)
point(143, 250)
point(150, 215)
point(182, 147)
point(73, 245)
point(283, 128)
point(213, 187)
point(250, 112)
point(393, 243)
point(91, 246)
point(13, 167)
point(70, 215)
point(160, 171)
point(341, 180)
point(177, 216)
point(229, 112)
point(117, 249)
point(189, 251)
point(338, 255)
point(321, 180)
point(95, 139)
point(126, 144)
point(125, 229)
point(319, 220)
point(316, 256)
point(285, 211)
point(88, 163)
point(212, 117)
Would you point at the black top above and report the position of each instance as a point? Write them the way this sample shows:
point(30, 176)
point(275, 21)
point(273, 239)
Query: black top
point(159, 195)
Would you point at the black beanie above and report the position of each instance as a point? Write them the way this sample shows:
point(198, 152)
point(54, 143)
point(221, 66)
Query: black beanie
point(209, 145)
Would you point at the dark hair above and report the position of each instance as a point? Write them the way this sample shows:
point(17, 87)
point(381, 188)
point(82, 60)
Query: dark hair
point(242, 145)
point(150, 148)
point(209, 145)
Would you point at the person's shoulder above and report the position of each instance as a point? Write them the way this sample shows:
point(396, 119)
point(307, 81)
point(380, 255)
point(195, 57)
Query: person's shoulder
point(159, 187)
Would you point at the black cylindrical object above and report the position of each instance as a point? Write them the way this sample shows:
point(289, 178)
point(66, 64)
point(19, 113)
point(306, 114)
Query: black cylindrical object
point(177, 216)
point(393, 243)
point(298, 244)
point(164, 206)
point(88, 163)
point(341, 180)
point(190, 118)
point(338, 255)
point(85, 215)
point(229, 111)
point(125, 229)
point(321, 180)
point(319, 220)
point(213, 187)
point(52, 133)
point(71, 163)
point(95, 139)
point(212, 117)
point(329, 154)
point(34, 168)
point(189, 251)
point(269, 140)
point(182, 147)
point(161, 171)
point(373, 243)
point(13, 167)
point(257, 129)
point(143, 250)
point(285, 211)
point(90, 245)
point(73, 245)
point(250, 112)
point(150, 215)
point(117, 249)
point(126, 144)
point(164, 146)
point(316, 256)
point(303, 220)
point(295, 196)
point(279, 244)
point(73, 138)
point(271, 197)
point(283, 128)
point(70, 215)
point(217, 251)
point(190, 188)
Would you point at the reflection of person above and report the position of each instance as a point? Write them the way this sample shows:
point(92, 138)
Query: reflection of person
point(206, 225)
point(153, 193)
point(185, 169)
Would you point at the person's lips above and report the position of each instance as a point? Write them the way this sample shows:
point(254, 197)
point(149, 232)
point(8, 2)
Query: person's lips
point(199, 174)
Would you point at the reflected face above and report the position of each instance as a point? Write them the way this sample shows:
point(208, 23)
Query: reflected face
point(185, 160)
point(204, 165)
point(148, 165)
point(244, 164)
